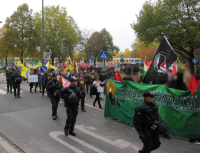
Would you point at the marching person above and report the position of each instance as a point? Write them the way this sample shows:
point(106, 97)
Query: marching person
point(16, 80)
point(82, 85)
point(44, 81)
point(97, 83)
point(71, 96)
point(31, 83)
point(9, 81)
point(145, 120)
point(54, 86)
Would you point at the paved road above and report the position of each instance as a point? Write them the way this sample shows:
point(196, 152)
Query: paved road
point(27, 122)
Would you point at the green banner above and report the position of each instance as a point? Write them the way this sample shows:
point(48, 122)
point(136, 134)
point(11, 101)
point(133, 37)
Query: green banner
point(179, 109)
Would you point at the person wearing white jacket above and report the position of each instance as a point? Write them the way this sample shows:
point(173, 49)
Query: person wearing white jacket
point(97, 83)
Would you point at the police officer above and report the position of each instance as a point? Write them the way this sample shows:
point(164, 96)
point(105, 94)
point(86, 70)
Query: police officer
point(71, 95)
point(44, 81)
point(16, 80)
point(54, 86)
point(8, 79)
point(145, 120)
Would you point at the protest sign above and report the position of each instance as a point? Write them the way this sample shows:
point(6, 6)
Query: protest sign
point(179, 109)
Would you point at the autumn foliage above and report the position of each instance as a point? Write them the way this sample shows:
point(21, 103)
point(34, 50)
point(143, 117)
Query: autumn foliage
point(148, 52)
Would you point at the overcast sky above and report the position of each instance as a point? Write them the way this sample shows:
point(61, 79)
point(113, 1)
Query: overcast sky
point(114, 15)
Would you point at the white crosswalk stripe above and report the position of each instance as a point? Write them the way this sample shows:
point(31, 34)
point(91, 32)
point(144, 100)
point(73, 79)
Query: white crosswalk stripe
point(13, 89)
point(2, 92)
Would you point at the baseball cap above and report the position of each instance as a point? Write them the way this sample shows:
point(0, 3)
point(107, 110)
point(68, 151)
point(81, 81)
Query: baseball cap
point(148, 94)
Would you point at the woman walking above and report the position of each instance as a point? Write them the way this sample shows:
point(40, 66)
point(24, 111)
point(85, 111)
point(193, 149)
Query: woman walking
point(97, 83)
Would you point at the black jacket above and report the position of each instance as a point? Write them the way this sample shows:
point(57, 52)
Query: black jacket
point(8, 76)
point(66, 92)
point(53, 85)
point(14, 78)
point(145, 115)
point(45, 79)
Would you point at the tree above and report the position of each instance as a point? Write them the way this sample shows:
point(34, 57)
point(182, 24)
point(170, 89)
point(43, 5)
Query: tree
point(60, 35)
point(100, 41)
point(143, 50)
point(127, 54)
point(179, 20)
point(6, 45)
point(21, 25)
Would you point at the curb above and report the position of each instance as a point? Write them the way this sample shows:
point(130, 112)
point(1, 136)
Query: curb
point(7, 146)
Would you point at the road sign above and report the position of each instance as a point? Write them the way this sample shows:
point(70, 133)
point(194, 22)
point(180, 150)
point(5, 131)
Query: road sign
point(195, 60)
point(43, 68)
point(91, 57)
point(46, 55)
point(122, 56)
point(103, 55)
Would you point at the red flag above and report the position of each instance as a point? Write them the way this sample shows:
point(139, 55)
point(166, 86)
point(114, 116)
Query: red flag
point(83, 65)
point(118, 76)
point(55, 63)
point(174, 71)
point(111, 64)
point(65, 64)
point(88, 66)
point(193, 85)
point(74, 62)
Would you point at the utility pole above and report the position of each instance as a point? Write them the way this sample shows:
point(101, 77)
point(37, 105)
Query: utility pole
point(42, 31)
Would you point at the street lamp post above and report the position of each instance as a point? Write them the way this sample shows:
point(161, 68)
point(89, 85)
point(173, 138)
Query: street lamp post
point(42, 31)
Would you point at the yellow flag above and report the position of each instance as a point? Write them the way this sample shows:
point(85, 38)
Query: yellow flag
point(24, 71)
point(19, 63)
point(28, 66)
point(70, 67)
point(69, 59)
point(48, 65)
point(39, 64)
point(53, 67)
point(34, 66)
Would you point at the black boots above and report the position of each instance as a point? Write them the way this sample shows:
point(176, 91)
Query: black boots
point(72, 133)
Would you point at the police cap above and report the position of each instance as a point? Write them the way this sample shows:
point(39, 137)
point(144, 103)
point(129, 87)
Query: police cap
point(148, 94)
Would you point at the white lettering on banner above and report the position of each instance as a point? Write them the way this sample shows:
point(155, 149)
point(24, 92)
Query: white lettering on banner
point(32, 78)
point(117, 143)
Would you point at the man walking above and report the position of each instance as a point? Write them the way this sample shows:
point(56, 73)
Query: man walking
point(145, 120)
point(71, 96)
point(9, 81)
point(16, 80)
point(82, 85)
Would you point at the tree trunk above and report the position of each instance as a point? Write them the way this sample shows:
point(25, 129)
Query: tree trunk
point(6, 61)
point(191, 54)
point(52, 58)
point(22, 57)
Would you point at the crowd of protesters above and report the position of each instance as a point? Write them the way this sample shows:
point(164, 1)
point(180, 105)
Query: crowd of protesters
point(92, 81)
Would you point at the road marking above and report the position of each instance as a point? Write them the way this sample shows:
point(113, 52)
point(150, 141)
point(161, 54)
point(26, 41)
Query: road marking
point(2, 92)
point(118, 143)
point(93, 107)
point(55, 134)
point(13, 89)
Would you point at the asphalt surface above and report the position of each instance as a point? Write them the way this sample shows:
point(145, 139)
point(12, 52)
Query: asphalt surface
point(27, 122)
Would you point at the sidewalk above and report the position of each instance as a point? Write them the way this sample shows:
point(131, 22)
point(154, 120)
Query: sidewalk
point(6, 146)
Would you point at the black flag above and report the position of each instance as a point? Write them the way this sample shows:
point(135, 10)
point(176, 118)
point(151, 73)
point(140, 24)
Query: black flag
point(163, 59)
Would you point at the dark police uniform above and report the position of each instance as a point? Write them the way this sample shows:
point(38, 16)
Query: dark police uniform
point(143, 120)
point(9, 81)
point(16, 80)
point(71, 108)
point(53, 87)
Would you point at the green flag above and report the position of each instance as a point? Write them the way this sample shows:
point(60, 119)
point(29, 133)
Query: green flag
point(179, 109)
